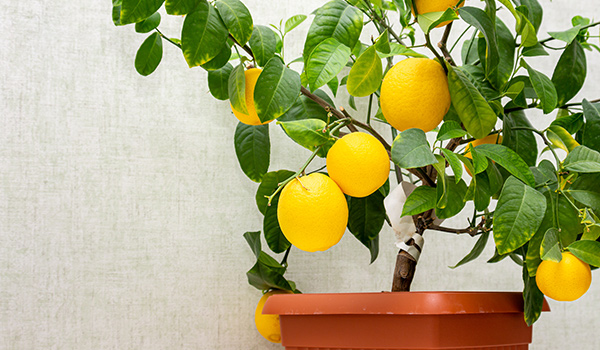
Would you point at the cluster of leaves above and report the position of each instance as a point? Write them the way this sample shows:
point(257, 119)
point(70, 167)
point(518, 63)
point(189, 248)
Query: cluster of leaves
point(542, 207)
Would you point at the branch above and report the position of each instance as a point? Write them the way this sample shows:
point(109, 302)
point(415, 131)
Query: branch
point(167, 38)
point(442, 45)
point(381, 21)
point(584, 27)
point(578, 103)
point(368, 128)
point(244, 47)
point(437, 54)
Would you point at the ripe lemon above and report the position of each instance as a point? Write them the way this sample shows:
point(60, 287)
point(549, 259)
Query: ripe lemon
point(426, 6)
point(312, 212)
point(268, 325)
point(567, 280)
point(414, 94)
point(493, 139)
point(358, 163)
point(251, 118)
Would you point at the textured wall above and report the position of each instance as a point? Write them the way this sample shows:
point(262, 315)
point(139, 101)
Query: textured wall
point(122, 206)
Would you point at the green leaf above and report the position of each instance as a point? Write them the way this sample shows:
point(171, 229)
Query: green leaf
point(218, 82)
point(366, 74)
point(116, 11)
point(400, 50)
point(422, 199)
point(523, 25)
point(523, 142)
point(305, 108)
point(334, 84)
point(133, 11)
point(430, 20)
point(476, 251)
point(561, 138)
point(268, 273)
point(236, 87)
point(382, 44)
point(273, 235)
point(532, 297)
point(253, 149)
point(590, 133)
point(411, 150)
point(269, 184)
point(583, 160)
point(366, 218)
point(480, 20)
point(454, 162)
point(450, 130)
point(220, 60)
point(480, 162)
point(509, 160)
point(325, 62)
point(506, 45)
point(336, 19)
point(566, 35)
point(572, 123)
point(543, 87)
point(518, 215)
point(477, 77)
point(180, 7)
point(450, 197)
point(263, 43)
point(550, 248)
point(203, 35)
point(586, 251)
point(570, 72)
point(536, 50)
point(253, 239)
point(293, 22)
point(149, 55)
point(237, 19)
point(473, 110)
point(307, 133)
point(277, 88)
point(586, 191)
point(148, 24)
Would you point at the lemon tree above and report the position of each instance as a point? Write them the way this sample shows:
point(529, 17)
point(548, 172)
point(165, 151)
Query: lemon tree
point(433, 108)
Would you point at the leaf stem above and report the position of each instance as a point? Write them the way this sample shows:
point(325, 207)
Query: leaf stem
point(541, 134)
point(584, 27)
point(434, 51)
point(285, 257)
point(167, 38)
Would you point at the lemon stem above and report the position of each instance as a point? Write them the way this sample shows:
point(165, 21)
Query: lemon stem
point(437, 54)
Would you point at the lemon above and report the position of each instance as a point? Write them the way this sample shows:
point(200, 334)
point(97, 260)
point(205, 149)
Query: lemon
point(251, 118)
point(312, 212)
point(566, 280)
point(268, 325)
point(493, 139)
point(426, 6)
point(414, 94)
point(359, 164)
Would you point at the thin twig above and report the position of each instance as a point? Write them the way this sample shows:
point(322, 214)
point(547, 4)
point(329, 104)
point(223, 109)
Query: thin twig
point(443, 44)
point(167, 38)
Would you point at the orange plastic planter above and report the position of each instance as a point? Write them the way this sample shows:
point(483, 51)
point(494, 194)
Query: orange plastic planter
point(404, 320)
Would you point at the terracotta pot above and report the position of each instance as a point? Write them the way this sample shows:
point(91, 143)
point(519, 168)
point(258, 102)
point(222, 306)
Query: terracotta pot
point(404, 320)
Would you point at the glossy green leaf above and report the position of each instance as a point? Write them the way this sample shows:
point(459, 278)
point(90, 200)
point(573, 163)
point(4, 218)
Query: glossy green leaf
point(533, 298)
point(148, 24)
point(430, 20)
point(583, 160)
point(253, 149)
point(325, 62)
point(586, 251)
point(219, 60)
point(203, 35)
point(476, 251)
point(411, 150)
point(277, 88)
point(236, 87)
point(566, 35)
point(480, 20)
point(116, 11)
point(561, 138)
point(382, 44)
point(572, 123)
point(273, 236)
point(536, 50)
point(218, 82)
point(523, 142)
point(306, 108)
point(263, 43)
point(293, 22)
point(476, 75)
point(509, 160)
point(400, 50)
point(307, 133)
point(180, 7)
point(366, 74)
point(480, 162)
point(590, 133)
point(149, 55)
point(454, 162)
point(422, 199)
point(366, 218)
point(237, 19)
point(133, 11)
point(473, 110)
point(450, 197)
point(550, 248)
point(507, 46)
point(334, 84)
point(518, 215)
point(450, 130)
point(586, 190)
point(253, 239)
point(543, 87)
point(268, 185)
point(570, 72)
point(267, 273)
point(336, 19)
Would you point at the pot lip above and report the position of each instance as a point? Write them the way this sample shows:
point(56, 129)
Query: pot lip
point(397, 303)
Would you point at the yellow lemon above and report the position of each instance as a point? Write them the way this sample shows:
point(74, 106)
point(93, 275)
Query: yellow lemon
point(426, 6)
point(268, 325)
point(358, 163)
point(312, 212)
point(493, 139)
point(566, 280)
point(251, 118)
point(414, 94)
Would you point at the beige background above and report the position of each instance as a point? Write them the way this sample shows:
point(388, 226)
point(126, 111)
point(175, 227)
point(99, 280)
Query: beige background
point(122, 206)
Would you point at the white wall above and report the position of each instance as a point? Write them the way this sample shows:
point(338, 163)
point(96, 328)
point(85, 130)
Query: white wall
point(122, 206)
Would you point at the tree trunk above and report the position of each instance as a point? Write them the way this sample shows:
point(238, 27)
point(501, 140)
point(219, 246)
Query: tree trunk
point(404, 272)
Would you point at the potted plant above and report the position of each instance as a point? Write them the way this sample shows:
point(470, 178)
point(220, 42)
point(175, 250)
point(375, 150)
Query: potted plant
point(461, 133)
